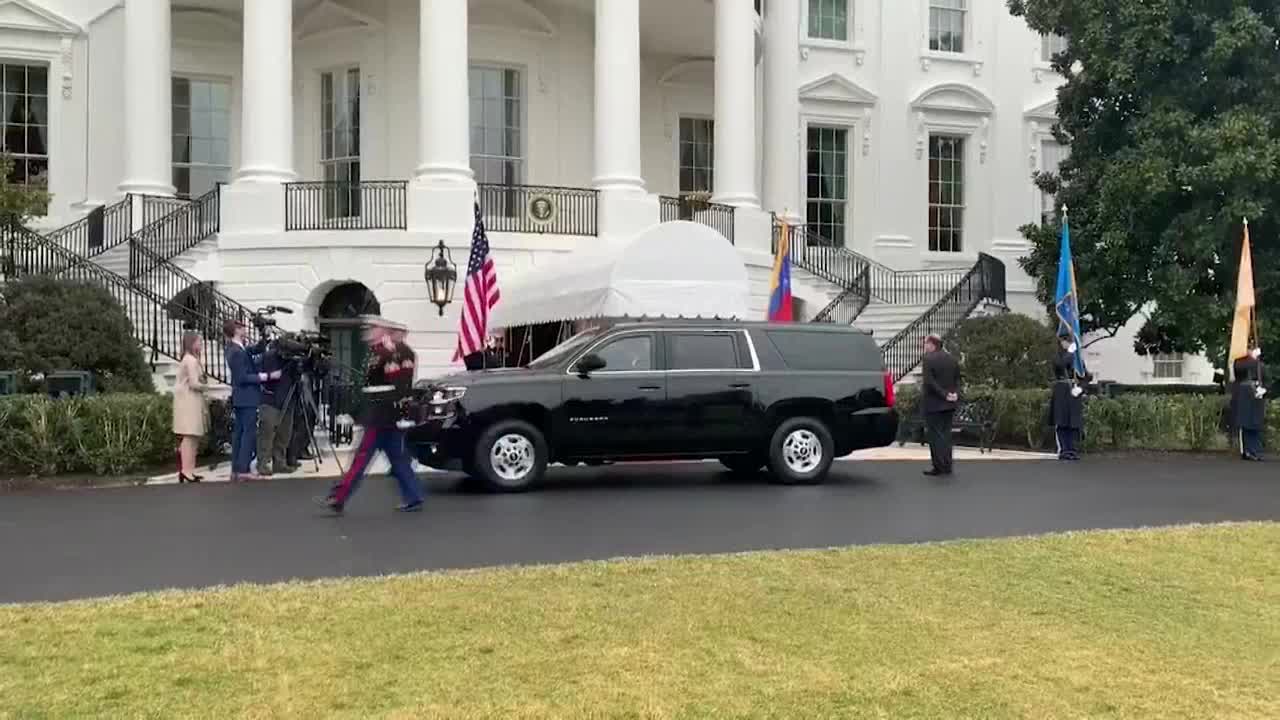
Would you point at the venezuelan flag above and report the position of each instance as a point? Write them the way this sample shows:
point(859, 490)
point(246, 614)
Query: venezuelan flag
point(780, 287)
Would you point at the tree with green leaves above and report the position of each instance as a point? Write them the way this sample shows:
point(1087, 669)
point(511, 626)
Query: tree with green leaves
point(1171, 109)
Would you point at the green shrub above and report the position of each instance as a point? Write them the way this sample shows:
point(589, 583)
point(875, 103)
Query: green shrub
point(1010, 350)
point(1126, 423)
point(52, 324)
point(101, 435)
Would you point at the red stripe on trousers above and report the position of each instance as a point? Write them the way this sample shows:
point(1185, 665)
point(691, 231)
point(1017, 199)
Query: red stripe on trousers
point(358, 466)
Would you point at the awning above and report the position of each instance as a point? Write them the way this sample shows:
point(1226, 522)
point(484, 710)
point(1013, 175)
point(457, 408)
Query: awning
point(675, 269)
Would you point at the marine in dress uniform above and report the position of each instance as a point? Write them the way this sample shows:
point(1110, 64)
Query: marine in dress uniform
point(1249, 405)
point(1066, 404)
point(388, 382)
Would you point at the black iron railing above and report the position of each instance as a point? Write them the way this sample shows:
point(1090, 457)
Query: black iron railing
point(716, 216)
point(185, 225)
point(363, 205)
point(103, 228)
point(849, 269)
point(539, 209)
point(154, 325)
point(984, 282)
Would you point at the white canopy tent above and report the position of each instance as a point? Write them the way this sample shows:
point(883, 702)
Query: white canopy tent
point(675, 269)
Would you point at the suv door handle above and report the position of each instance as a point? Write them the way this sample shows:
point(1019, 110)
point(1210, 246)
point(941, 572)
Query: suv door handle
point(650, 388)
point(740, 386)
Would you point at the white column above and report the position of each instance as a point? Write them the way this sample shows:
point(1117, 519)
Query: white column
point(148, 111)
point(266, 123)
point(617, 85)
point(444, 151)
point(782, 109)
point(735, 140)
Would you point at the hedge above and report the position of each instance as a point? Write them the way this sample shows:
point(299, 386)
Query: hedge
point(1124, 423)
point(98, 435)
point(113, 435)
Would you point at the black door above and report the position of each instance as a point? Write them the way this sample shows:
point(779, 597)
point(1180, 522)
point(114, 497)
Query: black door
point(711, 394)
point(614, 411)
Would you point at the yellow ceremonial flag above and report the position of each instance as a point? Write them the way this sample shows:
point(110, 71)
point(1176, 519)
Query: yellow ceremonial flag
point(1242, 322)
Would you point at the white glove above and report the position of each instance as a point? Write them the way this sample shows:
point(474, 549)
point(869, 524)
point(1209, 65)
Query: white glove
point(1260, 393)
point(1072, 348)
point(1077, 391)
point(1257, 353)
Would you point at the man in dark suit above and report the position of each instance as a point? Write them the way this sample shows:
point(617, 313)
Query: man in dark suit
point(246, 395)
point(1248, 410)
point(940, 395)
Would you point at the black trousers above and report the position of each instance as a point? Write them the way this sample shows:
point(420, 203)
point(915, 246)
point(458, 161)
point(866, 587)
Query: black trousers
point(1250, 443)
point(1067, 442)
point(937, 431)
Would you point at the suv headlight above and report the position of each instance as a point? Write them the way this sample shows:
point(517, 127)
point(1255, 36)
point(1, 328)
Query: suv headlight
point(446, 395)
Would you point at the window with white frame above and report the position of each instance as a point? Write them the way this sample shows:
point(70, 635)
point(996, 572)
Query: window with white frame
point(201, 134)
point(340, 141)
point(25, 122)
point(697, 154)
point(1051, 45)
point(1052, 153)
point(1168, 366)
point(946, 193)
point(829, 20)
point(497, 120)
point(827, 183)
point(947, 25)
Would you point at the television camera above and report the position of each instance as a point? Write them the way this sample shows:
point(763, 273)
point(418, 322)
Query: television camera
point(304, 350)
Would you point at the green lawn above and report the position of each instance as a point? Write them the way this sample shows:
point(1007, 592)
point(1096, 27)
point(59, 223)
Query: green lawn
point(1168, 623)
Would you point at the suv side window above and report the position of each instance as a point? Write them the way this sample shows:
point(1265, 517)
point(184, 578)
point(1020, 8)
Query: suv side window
point(629, 353)
point(703, 351)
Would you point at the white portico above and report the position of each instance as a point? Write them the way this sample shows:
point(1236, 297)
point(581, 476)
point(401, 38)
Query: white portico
point(311, 153)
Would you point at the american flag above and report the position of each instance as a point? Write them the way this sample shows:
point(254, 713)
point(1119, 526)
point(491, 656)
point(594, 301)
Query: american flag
point(480, 293)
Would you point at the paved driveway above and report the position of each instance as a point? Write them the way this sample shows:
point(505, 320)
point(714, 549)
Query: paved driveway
point(71, 544)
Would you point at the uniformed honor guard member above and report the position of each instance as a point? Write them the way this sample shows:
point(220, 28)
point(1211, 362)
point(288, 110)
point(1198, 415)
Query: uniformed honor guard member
point(1066, 404)
point(1249, 405)
point(388, 382)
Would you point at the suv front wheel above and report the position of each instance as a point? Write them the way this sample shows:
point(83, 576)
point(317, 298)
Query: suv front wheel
point(511, 456)
point(801, 451)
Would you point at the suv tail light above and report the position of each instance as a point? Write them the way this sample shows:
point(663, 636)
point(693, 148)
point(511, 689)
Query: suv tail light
point(889, 397)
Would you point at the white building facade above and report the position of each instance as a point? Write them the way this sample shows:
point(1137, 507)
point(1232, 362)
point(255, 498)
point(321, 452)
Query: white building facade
point(318, 150)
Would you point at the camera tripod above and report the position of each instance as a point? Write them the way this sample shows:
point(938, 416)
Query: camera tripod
point(310, 415)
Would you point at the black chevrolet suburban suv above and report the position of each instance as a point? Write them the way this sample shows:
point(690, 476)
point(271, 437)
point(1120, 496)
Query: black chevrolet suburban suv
point(792, 397)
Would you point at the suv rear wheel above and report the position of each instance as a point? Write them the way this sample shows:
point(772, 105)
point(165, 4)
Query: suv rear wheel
point(511, 456)
point(801, 451)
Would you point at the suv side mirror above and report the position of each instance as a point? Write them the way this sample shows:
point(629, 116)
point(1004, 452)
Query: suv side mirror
point(589, 364)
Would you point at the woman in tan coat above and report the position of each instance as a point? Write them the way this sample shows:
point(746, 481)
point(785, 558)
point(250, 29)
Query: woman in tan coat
point(189, 407)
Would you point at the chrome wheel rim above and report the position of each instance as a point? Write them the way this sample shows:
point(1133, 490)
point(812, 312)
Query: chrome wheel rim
point(512, 458)
point(802, 451)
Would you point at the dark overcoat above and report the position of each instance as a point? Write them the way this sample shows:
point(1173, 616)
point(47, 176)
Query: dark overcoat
point(1065, 411)
point(1247, 411)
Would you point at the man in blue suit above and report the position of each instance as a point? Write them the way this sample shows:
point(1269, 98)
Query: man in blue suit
point(246, 395)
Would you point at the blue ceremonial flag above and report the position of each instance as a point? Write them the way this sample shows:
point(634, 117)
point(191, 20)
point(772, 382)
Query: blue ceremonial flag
point(1066, 299)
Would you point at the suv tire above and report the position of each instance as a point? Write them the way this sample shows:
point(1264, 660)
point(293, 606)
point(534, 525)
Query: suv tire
point(801, 451)
point(511, 456)
point(748, 464)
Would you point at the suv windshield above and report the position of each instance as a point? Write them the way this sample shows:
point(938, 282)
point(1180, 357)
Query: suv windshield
point(559, 353)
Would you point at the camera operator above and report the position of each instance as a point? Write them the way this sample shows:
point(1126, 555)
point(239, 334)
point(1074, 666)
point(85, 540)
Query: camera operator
point(275, 425)
point(247, 378)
